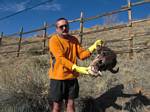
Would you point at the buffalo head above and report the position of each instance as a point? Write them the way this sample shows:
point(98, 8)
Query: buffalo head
point(106, 59)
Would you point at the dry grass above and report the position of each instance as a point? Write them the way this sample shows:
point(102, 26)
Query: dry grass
point(24, 85)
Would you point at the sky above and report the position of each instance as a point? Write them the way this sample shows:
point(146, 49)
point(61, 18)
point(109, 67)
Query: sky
point(70, 9)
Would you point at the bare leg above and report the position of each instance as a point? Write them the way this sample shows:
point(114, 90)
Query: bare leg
point(70, 107)
point(56, 107)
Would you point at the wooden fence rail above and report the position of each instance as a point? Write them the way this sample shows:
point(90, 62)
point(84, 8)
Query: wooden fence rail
point(81, 33)
point(85, 33)
point(138, 34)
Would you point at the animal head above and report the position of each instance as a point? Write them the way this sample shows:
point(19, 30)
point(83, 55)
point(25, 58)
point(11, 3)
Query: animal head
point(106, 59)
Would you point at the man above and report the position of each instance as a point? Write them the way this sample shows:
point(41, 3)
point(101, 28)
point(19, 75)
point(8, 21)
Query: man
point(63, 72)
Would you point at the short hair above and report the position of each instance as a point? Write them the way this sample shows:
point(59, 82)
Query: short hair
point(62, 18)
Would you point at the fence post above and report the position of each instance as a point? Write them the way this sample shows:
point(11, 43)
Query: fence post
point(1, 38)
point(44, 37)
point(19, 44)
point(129, 31)
point(81, 27)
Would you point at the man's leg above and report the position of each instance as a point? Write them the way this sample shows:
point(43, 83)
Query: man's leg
point(73, 92)
point(70, 107)
point(56, 107)
point(56, 95)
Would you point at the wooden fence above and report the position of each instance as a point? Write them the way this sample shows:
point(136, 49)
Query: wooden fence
point(81, 33)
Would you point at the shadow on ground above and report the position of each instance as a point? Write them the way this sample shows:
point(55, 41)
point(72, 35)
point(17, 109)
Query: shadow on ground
point(109, 98)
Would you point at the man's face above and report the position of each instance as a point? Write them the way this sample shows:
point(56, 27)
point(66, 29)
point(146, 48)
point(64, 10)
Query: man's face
point(62, 27)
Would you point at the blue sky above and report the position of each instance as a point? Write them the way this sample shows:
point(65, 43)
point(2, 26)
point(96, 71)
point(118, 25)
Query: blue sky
point(69, 9)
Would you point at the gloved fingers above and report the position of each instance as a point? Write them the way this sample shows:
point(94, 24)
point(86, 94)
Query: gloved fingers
point(99, 42)
point(82, 70)
point(86, 71)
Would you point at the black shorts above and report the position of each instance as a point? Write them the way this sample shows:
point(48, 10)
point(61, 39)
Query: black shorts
point(63, 89)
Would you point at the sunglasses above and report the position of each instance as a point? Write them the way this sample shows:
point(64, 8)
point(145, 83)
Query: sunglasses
point(62, 26)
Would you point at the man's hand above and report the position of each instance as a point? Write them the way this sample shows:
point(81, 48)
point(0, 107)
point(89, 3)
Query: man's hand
point(82, 70)
point(93, 47)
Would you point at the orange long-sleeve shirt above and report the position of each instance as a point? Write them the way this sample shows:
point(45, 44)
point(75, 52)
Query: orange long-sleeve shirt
point(64, 53)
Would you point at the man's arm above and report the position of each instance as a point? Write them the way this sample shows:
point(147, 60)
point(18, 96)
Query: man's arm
point(82, 53)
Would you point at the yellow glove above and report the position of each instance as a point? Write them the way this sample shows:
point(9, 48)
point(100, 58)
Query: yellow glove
point(93, 47)
point(82, 70)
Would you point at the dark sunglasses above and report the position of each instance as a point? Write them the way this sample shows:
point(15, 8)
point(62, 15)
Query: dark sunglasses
point(62, 26)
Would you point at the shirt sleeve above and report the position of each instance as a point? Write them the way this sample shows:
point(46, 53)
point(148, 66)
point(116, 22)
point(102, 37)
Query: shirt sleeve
point(57, 51)
point(81, 52)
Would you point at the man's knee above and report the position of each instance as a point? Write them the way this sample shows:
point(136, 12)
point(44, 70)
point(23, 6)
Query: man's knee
point(70, 103)
point(56, 107)
point(70, 106)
